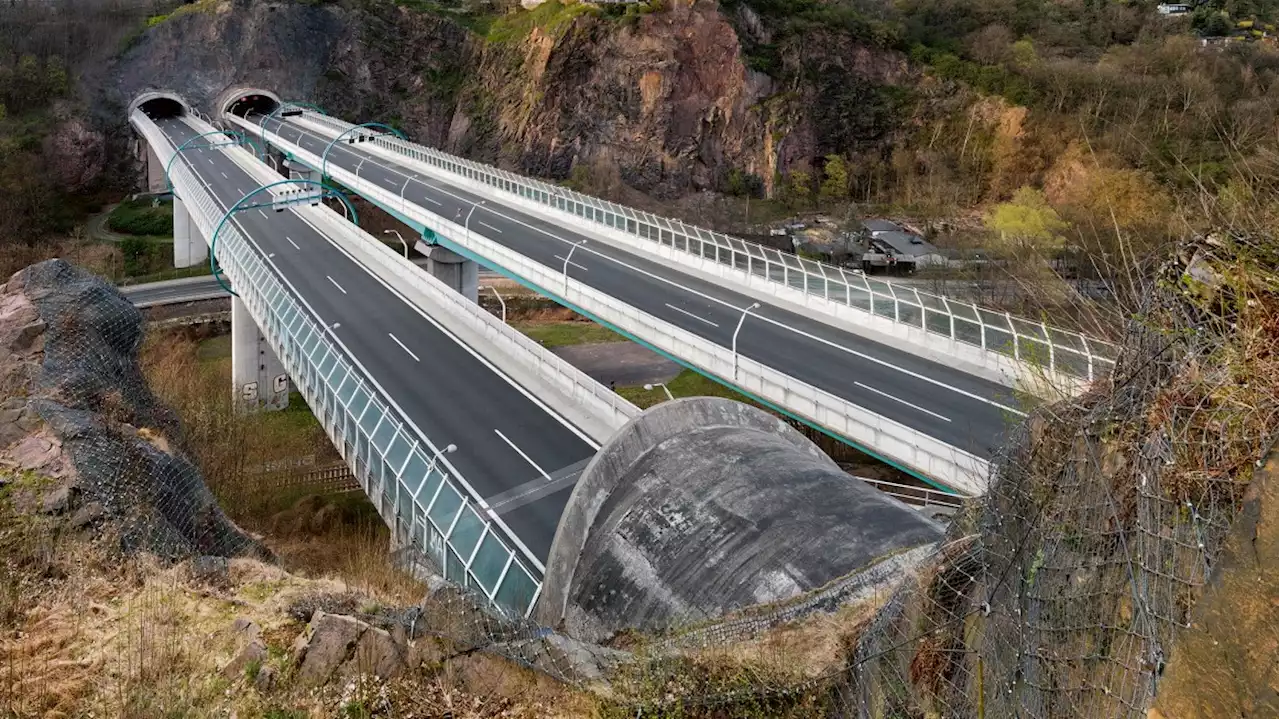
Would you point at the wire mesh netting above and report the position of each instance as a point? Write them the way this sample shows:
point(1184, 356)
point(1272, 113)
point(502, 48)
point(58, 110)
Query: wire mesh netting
point(1059, 594)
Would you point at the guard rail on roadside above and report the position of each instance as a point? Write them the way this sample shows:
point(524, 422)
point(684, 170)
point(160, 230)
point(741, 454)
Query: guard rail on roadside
point(896, 442)
point(412, 485)
point(973, 334)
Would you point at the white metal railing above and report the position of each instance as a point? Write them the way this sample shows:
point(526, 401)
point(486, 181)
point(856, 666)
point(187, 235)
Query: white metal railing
point(897, 442)
point(916, 496)
point(403, 473)
point(1025, 341)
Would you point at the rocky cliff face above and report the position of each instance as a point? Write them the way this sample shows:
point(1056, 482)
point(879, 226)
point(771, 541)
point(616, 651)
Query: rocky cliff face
point(659, 102)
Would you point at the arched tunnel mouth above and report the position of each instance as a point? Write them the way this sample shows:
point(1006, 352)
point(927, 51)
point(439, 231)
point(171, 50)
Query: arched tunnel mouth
point(252, 104)
point(160, 108)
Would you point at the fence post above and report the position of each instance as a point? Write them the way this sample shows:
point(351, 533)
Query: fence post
point(982, 325)
point(1049, 341)
point(1017, 351)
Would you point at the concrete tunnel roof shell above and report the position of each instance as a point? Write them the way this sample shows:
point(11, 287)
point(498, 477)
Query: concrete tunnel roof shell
point(232, 95)
point(702, 506)
point(153, 95)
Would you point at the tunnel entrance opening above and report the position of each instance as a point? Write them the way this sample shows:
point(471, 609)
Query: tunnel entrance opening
point(161, 108)
point(251, 104)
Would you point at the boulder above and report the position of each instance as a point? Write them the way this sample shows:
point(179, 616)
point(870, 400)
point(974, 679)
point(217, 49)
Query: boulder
point(328, 643)
point(335, 644)
point(86, 515)
point(56, 501)
point(266, 679)
point(210, 570)
point(254, 653)
point(375, 653)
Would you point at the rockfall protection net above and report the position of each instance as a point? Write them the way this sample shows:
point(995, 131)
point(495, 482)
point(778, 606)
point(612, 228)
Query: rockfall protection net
point(1059, 594)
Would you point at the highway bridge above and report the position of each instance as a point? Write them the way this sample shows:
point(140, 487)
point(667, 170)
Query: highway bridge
point(469, 437)
point(935, 406)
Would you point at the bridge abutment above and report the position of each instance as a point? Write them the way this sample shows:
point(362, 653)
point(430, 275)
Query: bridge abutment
point(456, 271)
point(258, 379)
point(189, 245)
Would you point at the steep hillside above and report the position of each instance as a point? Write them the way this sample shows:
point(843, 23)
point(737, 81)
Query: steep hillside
point(660, 99)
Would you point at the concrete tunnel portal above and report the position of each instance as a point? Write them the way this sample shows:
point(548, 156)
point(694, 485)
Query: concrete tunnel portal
point(252, 105)
point(160, 105)
point(243, 101)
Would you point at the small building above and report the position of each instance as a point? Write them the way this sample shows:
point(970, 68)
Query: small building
point(1173, 9)
point(892, 248)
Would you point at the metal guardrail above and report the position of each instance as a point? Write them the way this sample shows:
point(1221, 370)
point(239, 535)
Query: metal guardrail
point(897, 442)
point(1025, 341)
point(402, 473)
point(916, 496)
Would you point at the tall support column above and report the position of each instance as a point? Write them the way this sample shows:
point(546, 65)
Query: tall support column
point(460, 273)
point(258, 379)
point(155, 171)
point(189, 245)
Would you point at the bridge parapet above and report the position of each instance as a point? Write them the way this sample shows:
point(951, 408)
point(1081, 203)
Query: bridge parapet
point(996, 345)
point(406, 476)
point(893, 441)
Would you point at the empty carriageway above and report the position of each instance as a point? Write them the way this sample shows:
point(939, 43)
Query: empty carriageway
point(935, 420)
point(518, 450)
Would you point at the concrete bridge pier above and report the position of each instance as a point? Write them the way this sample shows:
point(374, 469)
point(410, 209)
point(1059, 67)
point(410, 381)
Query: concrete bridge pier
point(278, 161)
point(258, 379)
point(456, 271)
point(299, 171)
point(189, 245)
point(155, 171)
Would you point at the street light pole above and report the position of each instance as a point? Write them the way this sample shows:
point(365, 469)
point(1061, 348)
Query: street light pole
point(743, 318)
point(399, 237)
point(439, 453)
point(664, 389)
point(501, 301)
point(466, 224)
point(567, 256)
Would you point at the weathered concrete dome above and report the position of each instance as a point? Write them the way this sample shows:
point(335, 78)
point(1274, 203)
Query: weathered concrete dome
point(701, 506)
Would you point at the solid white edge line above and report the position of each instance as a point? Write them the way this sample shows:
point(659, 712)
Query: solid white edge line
point(717, 300)
point(397, 341)
point(903, 401)
point(511, 534)
point(335, 284)
point(690, 314)
point(520, 452)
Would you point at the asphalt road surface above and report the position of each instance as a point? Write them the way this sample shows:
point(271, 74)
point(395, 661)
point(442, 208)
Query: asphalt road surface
point(949, 404)
point(509, 444)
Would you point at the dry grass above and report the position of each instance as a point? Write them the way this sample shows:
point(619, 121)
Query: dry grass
point(225, 445)
point(97, 257)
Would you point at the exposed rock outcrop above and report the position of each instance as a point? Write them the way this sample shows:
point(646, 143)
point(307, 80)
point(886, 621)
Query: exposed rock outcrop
point(663, 103)
point(78, 411)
